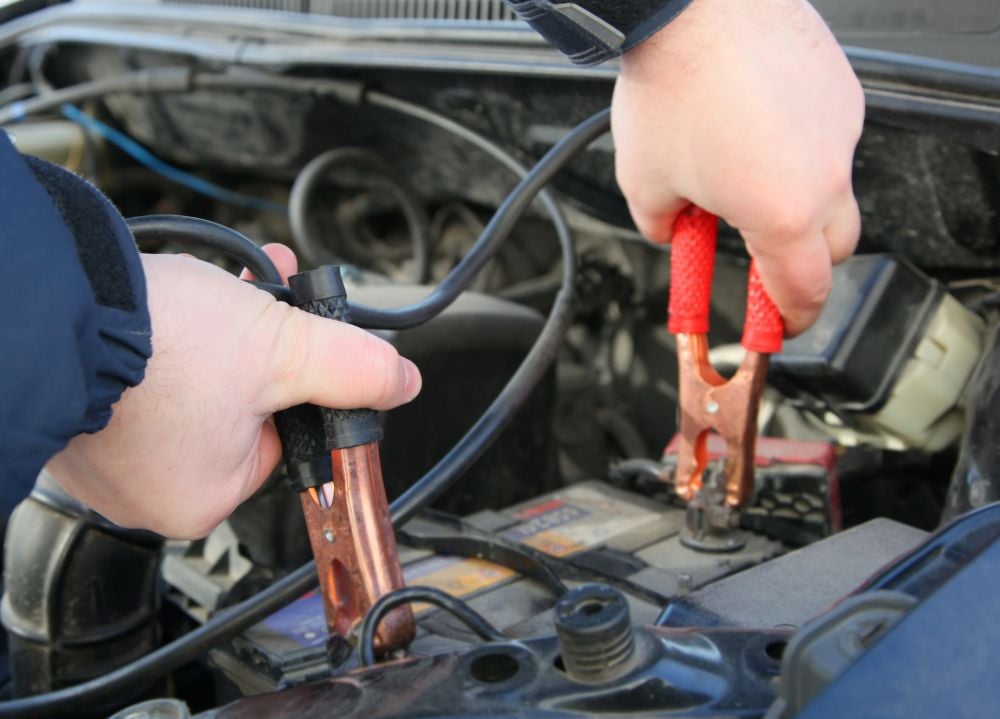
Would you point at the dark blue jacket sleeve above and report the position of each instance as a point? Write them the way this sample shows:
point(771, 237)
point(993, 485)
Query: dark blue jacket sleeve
point(74, 328)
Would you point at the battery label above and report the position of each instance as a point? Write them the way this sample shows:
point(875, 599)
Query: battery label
point(576, 519)
point(569, 522)
point(548, 516)
point(458, 577)
point(572, 521)
point(303, 621)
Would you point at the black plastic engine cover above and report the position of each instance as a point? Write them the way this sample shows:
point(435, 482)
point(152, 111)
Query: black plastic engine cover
point(80, 596)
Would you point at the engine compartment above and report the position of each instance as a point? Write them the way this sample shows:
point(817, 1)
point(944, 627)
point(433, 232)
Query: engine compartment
point(866, 420)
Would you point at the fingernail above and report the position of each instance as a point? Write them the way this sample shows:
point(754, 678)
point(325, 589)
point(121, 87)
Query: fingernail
point(413, 382)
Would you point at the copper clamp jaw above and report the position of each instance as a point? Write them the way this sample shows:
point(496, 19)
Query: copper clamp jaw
point(355, 548)
point(729, 407)
point(332, 458)
point(707, 400)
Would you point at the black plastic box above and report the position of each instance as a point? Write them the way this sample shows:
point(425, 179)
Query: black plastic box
point(850, 359)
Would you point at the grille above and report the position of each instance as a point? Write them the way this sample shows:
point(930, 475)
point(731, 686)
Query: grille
point(489, 10)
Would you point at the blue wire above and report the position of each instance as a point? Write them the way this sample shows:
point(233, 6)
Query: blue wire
point(144, 157)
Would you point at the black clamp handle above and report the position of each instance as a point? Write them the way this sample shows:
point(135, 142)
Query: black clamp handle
point(308, 432)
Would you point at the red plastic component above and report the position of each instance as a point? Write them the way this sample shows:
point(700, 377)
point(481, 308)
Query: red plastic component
point(771, 455)
point(770, 450)
point(692, 261)
point(763, 329)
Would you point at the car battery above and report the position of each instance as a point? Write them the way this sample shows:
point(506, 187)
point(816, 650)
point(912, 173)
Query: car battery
point(797, 495)
point(602, 532)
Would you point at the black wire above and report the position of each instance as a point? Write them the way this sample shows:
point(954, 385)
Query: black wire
point(196, 232)
point(646, 476)
point(310, 178)
point(531, 370)
point(448, 534)
point(430, 595)
point(239, 617)
point(179, 80)
point(500, 225)
point(636, 468)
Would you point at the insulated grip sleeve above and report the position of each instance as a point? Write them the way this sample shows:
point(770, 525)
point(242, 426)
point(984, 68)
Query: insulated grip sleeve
point(322, 294)
point(692, 262)
point(763, 329)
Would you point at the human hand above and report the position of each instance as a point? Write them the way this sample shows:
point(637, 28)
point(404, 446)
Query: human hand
point(195, 438)
point(751, 111)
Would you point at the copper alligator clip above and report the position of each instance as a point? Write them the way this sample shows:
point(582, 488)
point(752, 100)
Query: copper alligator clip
point(332, 457)
point(707, 400)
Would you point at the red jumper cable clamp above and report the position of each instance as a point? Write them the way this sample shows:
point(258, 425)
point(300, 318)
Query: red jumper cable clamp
point(708, 401)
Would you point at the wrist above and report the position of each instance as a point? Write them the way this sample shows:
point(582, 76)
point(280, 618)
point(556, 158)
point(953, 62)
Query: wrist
point(666, 47)
point(592, 31)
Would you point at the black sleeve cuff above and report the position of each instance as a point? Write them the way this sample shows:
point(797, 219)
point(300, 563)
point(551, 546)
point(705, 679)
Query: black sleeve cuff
point(110, 260)
point(589, 32)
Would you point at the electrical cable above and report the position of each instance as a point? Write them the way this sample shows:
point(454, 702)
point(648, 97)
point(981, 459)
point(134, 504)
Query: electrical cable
point(196, 232)
point(496, 230)
point(239, 617)
point(499, 226)
point(36, 59)
point(543, 352)
point(150, 80)
point(430, 595)
point(313, 248)
point(170, 80)
point(142, 155)
point(13, 93)
point(177, 80)
point(444, 534)
point(635, 469)
point(146, 158)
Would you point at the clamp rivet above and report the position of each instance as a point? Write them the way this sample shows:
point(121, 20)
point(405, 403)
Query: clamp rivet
point(712, 406)
point(328, 534)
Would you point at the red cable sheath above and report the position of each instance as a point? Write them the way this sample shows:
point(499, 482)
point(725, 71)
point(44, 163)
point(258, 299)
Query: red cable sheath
point(692, 261)
point(763, 328)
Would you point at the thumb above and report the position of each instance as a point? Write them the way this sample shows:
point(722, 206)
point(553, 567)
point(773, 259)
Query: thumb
point(334, 364)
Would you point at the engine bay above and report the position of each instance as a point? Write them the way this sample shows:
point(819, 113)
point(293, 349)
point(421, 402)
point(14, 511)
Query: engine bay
point(461, 175)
